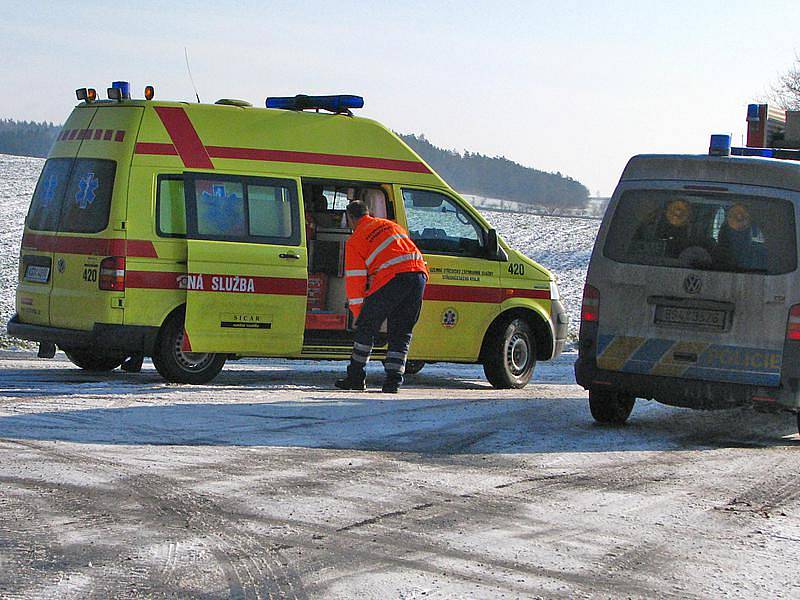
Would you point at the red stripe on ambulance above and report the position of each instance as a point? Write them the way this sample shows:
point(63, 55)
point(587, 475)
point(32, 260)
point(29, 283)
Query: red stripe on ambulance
point(87, 245)
point(183, 134)
point(212, 282)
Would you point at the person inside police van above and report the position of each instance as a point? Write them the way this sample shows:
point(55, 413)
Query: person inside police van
point(385, 276)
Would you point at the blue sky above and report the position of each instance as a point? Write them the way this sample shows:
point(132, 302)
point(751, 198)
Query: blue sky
point(572, 86)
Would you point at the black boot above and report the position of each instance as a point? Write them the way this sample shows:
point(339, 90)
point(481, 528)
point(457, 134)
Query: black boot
point(392, 383)
point(356, 380)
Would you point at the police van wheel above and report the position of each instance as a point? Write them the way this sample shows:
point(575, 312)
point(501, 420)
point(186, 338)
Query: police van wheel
point(414, 366)
point(178, 366)
point(610, 407)
point(89, 360)
point(510, 355)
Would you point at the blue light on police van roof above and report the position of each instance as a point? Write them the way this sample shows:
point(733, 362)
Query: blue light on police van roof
point(335, 104)
point(762, 152)
point(720, 145)
point(124, 89)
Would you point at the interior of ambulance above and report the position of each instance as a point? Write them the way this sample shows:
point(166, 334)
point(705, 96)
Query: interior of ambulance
point(327, 317)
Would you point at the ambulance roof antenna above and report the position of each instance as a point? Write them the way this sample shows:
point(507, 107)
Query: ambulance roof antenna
point(188, 70)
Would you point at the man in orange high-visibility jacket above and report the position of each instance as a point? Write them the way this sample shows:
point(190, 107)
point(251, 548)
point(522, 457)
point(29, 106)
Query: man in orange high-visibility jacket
point(385, 277)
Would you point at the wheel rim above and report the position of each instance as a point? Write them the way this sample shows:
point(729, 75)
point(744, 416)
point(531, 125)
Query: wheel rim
point(190, 361)
point(518, 353)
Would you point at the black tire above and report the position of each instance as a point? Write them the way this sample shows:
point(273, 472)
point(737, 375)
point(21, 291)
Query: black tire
point(183, 367)
point(510, 354)
point(414, 366)
point(610, 407)
point(92, 360)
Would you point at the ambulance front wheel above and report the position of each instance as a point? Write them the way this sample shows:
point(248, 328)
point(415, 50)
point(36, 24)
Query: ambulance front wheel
point(414, 366)
point(610, 407)
point(510, 355)
point(178, 366)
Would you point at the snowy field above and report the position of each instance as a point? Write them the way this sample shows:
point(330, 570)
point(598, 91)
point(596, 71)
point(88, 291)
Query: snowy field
point(563, 245)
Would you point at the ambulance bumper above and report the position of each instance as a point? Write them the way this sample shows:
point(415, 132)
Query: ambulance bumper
point(123, 338)
point(560, 320)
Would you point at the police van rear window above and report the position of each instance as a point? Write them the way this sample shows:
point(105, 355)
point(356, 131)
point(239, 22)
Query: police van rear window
point(732, 233)
point(73, 196)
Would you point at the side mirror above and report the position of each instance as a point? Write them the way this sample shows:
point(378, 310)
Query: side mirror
point(493, 249)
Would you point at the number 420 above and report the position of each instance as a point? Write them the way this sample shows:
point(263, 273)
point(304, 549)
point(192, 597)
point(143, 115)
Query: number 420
point(516, 269)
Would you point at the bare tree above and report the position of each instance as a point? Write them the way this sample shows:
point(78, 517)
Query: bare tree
point(786, 92)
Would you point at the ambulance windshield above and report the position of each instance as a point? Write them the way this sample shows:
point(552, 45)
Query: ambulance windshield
point(742, 234)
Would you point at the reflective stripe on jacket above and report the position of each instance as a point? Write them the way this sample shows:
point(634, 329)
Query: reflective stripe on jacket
point(378, 250)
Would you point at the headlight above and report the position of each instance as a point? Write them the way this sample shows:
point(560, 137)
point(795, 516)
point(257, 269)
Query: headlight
point(554, 291)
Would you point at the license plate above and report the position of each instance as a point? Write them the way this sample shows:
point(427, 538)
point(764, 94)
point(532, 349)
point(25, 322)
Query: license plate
point(694, 317)
point(37, 273)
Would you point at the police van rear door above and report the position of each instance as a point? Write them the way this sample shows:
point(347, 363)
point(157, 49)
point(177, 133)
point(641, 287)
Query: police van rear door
point(247, 265)
point(697, 281)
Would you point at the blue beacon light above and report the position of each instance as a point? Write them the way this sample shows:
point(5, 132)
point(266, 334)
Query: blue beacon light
point(124, 89)
point(335, 104)
point(720, 145)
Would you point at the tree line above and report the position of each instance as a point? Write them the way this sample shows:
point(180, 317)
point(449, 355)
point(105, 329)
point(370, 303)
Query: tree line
point(27, 138)
point(498, 177)
point(470, 173)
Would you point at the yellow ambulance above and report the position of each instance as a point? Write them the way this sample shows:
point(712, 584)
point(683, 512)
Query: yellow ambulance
point(195, 233)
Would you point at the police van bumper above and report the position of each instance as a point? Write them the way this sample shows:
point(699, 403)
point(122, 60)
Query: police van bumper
point(103, 336)
point(691, 393)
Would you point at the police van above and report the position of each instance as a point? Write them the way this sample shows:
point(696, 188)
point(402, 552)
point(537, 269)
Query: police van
point(692, 296)
point(196, 233)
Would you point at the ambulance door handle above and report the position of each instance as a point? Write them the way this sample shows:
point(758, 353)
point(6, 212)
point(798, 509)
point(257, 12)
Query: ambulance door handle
point(287, 255)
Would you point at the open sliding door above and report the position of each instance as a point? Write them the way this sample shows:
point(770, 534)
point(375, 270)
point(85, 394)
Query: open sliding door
point(247, 265)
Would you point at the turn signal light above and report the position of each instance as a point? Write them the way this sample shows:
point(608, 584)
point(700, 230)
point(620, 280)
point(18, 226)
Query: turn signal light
point(112, 274)
point(590, 309)
point(149, 92)
point(793, 327)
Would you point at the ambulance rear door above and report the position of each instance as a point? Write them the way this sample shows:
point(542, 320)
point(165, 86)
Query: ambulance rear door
point(247, 271)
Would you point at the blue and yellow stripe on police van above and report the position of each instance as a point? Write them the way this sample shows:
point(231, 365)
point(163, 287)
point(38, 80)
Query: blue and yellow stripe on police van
point(690, 360)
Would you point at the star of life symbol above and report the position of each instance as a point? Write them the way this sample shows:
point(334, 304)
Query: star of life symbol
point(449, 318)
point(49, 191)
point(86, 193)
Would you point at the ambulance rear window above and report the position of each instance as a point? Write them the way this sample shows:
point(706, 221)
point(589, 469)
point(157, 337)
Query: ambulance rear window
point(73, 196)
point(715, 232)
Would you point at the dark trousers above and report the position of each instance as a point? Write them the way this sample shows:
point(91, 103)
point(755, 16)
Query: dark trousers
point(398, 303)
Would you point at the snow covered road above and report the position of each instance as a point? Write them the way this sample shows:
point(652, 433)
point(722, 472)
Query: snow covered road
point(268, 483)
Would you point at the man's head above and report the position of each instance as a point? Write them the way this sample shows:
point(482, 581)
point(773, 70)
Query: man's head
point(355, 210)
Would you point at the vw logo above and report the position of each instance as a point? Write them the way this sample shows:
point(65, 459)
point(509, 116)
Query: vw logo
point(61, 265)
point(692, 284)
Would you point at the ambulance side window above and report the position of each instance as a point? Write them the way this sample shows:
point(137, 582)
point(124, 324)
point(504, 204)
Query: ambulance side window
point(440, 226)
point(243, 209)
point(170, 207)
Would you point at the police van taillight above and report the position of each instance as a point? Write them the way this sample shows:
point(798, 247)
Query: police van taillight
point(793, 327)
point(590, 309)
point(112, 274)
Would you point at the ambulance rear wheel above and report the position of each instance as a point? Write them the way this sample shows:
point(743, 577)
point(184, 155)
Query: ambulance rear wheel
point(510, 355)
point(178, 366)
point(610, 407)
point(90, 360)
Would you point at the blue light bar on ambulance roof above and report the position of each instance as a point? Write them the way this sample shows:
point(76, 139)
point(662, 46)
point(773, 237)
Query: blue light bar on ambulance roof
point(720, 145)
point(334, 104)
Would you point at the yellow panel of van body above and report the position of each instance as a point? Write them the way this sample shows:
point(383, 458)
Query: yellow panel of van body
point(245, 299)
point(33, 299)
point(286, 143)
point(76, 302)
point(453, 329)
